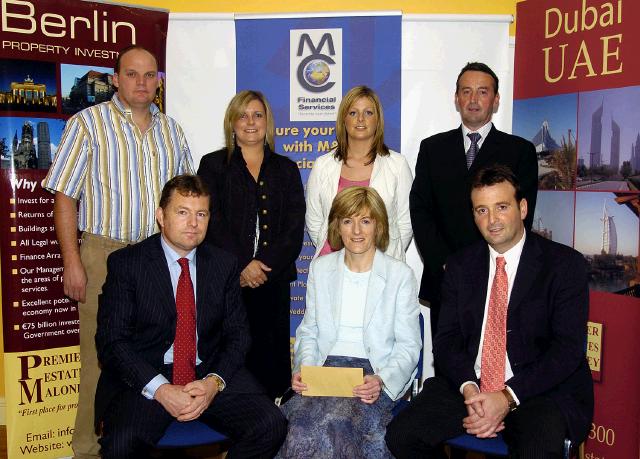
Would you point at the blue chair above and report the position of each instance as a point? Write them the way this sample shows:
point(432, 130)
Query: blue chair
point(189, 434)
point(493, 446)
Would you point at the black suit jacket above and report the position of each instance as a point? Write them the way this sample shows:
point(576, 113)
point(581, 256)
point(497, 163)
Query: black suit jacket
point(440, 196)
point(137, 320)
point(236, 198)
point(546, 325)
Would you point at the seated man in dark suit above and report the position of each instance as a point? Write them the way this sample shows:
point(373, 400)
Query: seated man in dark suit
point(511, 339)
point(172, 337)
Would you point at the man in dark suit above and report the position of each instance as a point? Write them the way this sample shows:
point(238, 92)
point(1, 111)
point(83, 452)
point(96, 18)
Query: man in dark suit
point(447, 161)
point(172, 338)
point(511, 339)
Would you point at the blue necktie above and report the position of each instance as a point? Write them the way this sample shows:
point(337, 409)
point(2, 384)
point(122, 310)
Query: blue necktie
point(473, 149)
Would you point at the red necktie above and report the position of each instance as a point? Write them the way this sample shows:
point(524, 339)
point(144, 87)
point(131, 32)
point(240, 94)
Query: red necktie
point(184, 346)
point(494, 346)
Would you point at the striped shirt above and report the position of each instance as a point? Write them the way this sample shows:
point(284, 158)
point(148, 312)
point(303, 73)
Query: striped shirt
point(116, 171)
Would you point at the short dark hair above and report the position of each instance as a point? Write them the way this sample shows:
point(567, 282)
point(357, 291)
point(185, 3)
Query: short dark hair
point(492, 175)
point(124, 51)
point(186, 185)
point(478, 67)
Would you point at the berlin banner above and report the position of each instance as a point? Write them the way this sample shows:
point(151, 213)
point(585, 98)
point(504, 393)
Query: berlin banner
point(56, 58)
point(576, 97)
point(304, 65)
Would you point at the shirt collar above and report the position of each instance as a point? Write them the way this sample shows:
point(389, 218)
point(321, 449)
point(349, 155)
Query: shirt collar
point(153, 108)
point(172, 256)
point(511, 256)
point(483, 131)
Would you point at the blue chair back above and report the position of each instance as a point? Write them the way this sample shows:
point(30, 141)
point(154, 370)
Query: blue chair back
point(493, 446)
point(189, 434)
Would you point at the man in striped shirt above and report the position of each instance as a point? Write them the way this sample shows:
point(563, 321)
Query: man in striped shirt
point(107, 176)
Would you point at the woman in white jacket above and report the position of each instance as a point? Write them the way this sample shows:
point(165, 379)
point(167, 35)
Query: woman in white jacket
point(360, 159)
point(362, 312)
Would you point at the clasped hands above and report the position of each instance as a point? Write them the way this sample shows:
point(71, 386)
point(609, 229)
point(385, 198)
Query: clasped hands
point(188, 402)
point(254, 274)
point(368, 392)
point(486, 412)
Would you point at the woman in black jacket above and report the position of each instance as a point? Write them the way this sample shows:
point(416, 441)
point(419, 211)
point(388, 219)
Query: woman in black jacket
point(257, 213)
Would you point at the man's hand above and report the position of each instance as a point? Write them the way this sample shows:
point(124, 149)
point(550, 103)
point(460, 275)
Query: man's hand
point(495, 408)
point(369, 391)
point(253, 275)
point(473, 409)
point(65, 219)
point(173, 398)
point(297, 384)
point(202, 393)
point(74, 280)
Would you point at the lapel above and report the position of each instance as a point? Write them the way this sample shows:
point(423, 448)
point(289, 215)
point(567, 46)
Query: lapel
point(458, 154)
point(333, 176)
point(377, 167)
point(528, 269)
point(204, 279)
point(159, 272)
point(375, 289)
point(335, 277)
point(478, 272)
point(489, 146)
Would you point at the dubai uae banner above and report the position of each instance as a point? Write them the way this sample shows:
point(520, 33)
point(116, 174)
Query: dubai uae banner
point(577, 93)
point(304, 65)
point(56, 58)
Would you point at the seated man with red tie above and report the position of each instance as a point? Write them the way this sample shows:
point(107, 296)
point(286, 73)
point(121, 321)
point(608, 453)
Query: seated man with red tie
point(172, 338)
point(510, 341)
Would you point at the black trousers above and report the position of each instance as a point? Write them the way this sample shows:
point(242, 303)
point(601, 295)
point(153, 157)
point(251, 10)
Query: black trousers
point(535, 430)
point(269, 358)
point(133, 425)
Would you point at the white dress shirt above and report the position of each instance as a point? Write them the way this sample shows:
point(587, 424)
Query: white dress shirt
point(483, 131)
point(512, 259)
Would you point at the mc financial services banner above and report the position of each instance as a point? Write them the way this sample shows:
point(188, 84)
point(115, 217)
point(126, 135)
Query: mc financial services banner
point(577, 93)
point(304, 65)
point(56, 58)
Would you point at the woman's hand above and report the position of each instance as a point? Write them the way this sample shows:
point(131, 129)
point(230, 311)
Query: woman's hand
point(297, 384)
point(369, 391)
point(253, 275)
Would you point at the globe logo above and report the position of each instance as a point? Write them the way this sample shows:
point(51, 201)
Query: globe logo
point(316, 72)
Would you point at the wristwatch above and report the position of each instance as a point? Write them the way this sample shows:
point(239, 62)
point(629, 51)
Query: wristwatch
point(219, 382)
point(510, 400)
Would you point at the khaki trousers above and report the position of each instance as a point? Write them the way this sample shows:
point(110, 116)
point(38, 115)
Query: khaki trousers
point(94, 251)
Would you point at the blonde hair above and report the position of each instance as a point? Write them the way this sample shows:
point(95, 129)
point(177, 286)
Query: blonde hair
point(358, 200)
point(377, 144)
point(236, 109)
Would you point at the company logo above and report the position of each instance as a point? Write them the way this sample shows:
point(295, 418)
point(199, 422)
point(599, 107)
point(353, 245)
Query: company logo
point(316, 74)
point(314, 70)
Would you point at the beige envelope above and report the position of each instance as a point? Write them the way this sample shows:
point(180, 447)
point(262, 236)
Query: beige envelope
point(331, 381)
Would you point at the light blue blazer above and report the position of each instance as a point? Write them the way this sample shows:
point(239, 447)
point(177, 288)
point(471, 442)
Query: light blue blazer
point(391, 325)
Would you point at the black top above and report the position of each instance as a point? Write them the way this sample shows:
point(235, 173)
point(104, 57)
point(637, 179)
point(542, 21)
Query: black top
point(277, 198)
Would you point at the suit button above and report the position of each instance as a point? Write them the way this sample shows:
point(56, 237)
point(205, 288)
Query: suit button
point(264, 196)
point(265, 243)
point(264, 227)
point(264, 211)
point(261, 182)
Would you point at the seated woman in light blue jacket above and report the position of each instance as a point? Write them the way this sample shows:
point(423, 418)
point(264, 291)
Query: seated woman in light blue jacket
point(362, 311)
